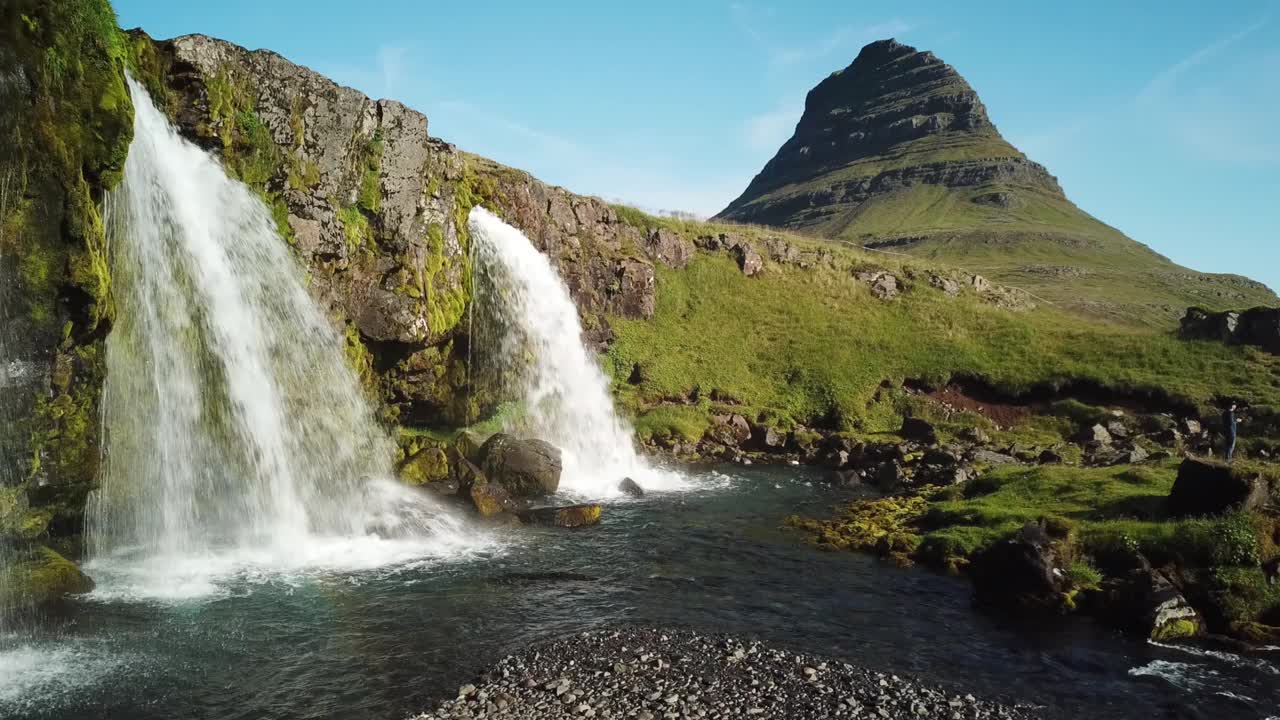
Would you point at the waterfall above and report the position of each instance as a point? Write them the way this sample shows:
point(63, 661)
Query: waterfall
point(235, 432)
point(565, 394)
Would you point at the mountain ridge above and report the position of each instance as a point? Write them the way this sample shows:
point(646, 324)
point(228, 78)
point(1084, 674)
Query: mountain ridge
point(897, 152)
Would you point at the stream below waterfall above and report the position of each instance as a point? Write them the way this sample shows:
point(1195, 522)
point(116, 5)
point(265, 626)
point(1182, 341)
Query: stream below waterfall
point(387, 641)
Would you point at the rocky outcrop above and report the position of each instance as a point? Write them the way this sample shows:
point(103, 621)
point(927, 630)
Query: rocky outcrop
point(1022, 574)
point(377, 211)
point(1258, 326)
point(1208, 488)
point(1143, 601)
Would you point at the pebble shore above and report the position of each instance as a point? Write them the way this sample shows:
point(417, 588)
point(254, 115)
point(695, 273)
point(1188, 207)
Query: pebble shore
point(651, 673)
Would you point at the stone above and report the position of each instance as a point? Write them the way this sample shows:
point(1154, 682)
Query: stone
point(1192, 426)
point(1142, 601)
point(992, 458)
point(37, 577)
point(668, 248)
point(570, 516)
point(428, 465)
point(1201, 324)
point(1117, 429)
point(889, 476)
point(631, 487)
point(749, 261)
point(945, 284)
point(918, 430)
point(490, 499)
point(1094, 435)
point(943, 456)
point(1022, 574)
point(1209, 488)
point(975, 435)
point(845, 478)
point(883, 285)
point(1049, 456)
point(771, 439)
point(526, 468)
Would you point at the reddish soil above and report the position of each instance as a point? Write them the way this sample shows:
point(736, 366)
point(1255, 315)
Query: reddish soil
point(1003, 415)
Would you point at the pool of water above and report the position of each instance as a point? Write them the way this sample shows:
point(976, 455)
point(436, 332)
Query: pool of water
point(388, 641)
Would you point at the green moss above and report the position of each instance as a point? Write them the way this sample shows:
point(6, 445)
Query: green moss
point(673, 423)
point(355, 228)
point(427, 465)
point(1179, 629)
point(40, 576)
point(369, 193)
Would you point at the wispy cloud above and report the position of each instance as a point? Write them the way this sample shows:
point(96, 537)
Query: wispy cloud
point(1165, 80)
point(751, 21)
point(380, 76)
point(391, 66)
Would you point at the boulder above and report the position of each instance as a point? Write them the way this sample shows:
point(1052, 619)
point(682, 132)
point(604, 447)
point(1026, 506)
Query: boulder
point(889, 476)
point(428, 465)
point(749, 261)
point(941, 456)
point(975, 435)
point(771, 439)
point(570, 516)
point(1094, 435)
point(631, 487)
point(733, 427)
point(1021, 574)
point(490, 499)
point(943, 475)
point(883, 285)
point(991, 458)
point(1117, 429)
point(918, 430)
point(526, 468)
point(945, 284)
point(846, 478)
point(1049, 456)
point(1210, 488)
point(1192, 426)
point(836, 459)
point(1200, 324)
point(1142, 601)
point(38, 576)
point(1260, 327)
point(668, 248)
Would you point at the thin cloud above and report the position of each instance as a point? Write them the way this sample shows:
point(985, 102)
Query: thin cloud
point(749, 20)
point(768, 130)
point(1165, 81)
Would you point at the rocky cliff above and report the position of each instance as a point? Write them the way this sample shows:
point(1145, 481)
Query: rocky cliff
point(377, 210)
point(897, 152)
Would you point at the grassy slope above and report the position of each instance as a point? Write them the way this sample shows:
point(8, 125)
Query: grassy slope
point(814, 345)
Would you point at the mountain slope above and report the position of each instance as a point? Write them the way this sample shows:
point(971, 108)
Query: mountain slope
point(897, 152)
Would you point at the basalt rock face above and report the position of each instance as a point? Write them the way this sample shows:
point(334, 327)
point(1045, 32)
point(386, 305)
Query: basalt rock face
point(897, 152)
point(376, 210)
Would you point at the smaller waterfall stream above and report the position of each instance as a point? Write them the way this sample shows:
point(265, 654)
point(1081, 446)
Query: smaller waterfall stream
point(565, 394)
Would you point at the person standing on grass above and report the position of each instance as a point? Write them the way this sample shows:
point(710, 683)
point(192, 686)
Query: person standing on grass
point(1229, 430)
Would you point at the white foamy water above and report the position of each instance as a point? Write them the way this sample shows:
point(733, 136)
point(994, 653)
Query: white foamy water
point(566, 395)
point(237, 440)
point(35, 675)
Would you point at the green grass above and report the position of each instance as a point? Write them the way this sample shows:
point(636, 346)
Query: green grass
point(815, 346)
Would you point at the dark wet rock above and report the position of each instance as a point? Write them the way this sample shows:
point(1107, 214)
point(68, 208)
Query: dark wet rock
point(1200, 324)
point(527, 468)
point(428, 465)
point(650, 673)
point(38, 577)
point(490, 499)
point(1049, 456)
point(889, 476)
point(942, 456)
point(1021, 574)
point(570, 516)
point(631, 487)
point(943, 475)
point(846, 478)
point(1143, 601)
point(770, 439)
point(1209, 488)
point(918, 430)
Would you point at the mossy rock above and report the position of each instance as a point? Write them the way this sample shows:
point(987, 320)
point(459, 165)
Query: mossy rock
point(491, 499)
point(572, 516)
point(527, 468)
point(428, 465)
point(40, 576)
point(18, 521)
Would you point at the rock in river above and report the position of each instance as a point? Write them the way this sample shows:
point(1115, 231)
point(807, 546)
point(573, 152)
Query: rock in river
point(526, 468)
point(571, 516)
point(631, 487)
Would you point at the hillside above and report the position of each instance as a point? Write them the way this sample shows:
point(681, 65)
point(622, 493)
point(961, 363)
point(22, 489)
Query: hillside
point(896, 152)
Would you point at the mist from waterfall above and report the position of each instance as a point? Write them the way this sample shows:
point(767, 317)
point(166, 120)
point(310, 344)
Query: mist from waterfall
point(236, 435)
point(565, 395)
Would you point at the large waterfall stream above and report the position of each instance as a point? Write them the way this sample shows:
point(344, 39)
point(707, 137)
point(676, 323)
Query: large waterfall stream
point(236, 435)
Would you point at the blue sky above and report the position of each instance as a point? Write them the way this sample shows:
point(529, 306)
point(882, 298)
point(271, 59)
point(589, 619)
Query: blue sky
point(1162, 119)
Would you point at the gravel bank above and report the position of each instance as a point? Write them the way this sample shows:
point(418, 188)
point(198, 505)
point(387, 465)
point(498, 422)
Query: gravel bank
point(651, 673)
